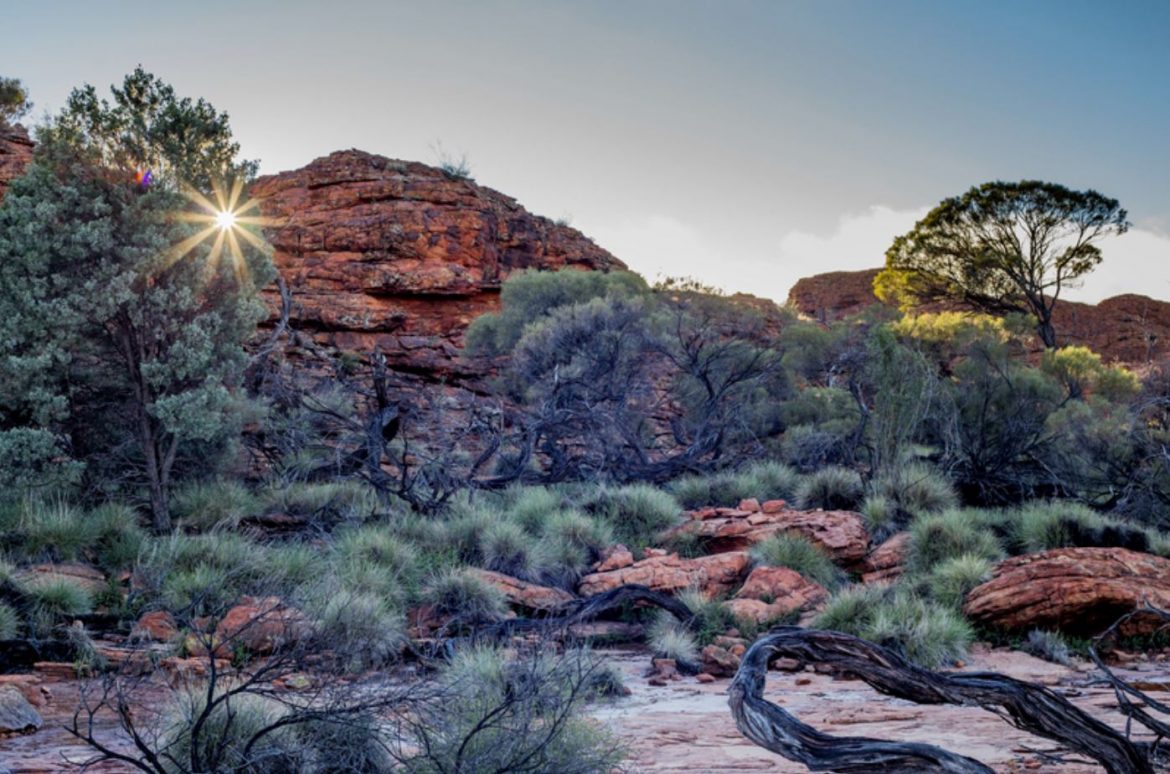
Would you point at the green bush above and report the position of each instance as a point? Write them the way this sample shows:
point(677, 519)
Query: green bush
point(692, 492)
point(571, 543)
point(221, 739)
point(9, 622)
point(363, 628)
point(1039, 526)
point(205, 505)
point(711, 617)
point(118, 537)
point(668, 638)
point(951, 534)
point(916, 489)
point(57, 598)
point(201, 574)
point(1048, 645)
point(372, 559)
point(467, 599)
point(951, 579)
point(53, 529)
point(926, 633)
point(763, 480)
point(507, 548)
point(636, 513)
point(295, 564)
point(326, 504)
point(882, 517)
point(797, 553)
point(531, 506)
point(204, 589)
point(831, 488)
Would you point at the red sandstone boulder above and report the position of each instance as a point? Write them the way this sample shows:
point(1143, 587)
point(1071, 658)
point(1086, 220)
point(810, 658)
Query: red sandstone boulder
point(261, 624)
point(714, 575)
point(157, 625)
point(525, 595)
point(1076, 590)
point(841, 534)
point(770, 593)
point(887, 561)
point(614, 558)
point(16, 151)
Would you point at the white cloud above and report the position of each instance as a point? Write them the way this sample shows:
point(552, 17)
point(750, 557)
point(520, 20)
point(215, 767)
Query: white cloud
point(1135, 262)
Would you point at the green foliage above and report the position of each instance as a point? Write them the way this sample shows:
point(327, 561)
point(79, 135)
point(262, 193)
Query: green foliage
point(796, 553)
point(508, 549)
point(327, 504)
point(205, 505)
point(937, 537)
point(57, 598)
point(374, 560)
point(363, 627)
point(569, 545)
point(926, 633)
point(636, 513)
point(1048, 645)
point(831, 488)
point(52, 529)
point(1081, 371)
point(102, 321)
point(882, 517)
point(9, 622)
point(531, 296)
point(763, 480)
point(14, 101)
point(968, 248)
point(467, 599)
point(711, 617)
point(903, 492)
point(951, 579)
point(118, 538)
point(668, 638)
point(219, 739)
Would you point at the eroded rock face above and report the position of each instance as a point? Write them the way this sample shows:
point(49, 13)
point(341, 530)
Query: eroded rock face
point(770, 593)
point(1076, 590)
point(887, 561)
point(17, 715)
point(841, 534)
point(714, 575)
point(261, 625)
point(525, 595)
point(16, 151)
point(1128, 328)
point(402, 256)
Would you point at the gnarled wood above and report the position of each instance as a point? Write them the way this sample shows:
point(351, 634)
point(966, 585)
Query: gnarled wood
point(1030, 707)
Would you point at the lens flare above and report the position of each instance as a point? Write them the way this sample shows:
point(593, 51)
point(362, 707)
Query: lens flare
point(228, 219)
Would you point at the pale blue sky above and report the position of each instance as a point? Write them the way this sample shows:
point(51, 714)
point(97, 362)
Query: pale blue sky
point(747, 143)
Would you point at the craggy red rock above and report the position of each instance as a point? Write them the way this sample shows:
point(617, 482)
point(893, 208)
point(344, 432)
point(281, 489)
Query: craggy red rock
point(157, 625)
point(713, 575)
point(525, 595)
point(887, 561)
point(16, 151)
point(261, 624)
point(841, 534)
point(614, 558)
point(403, 256)
point(1076, 590)
point(770, 593)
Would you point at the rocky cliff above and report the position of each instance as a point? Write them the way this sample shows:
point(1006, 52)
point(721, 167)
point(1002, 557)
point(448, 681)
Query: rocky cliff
point(1129, 328)
point(402, 256)
point(16, 150)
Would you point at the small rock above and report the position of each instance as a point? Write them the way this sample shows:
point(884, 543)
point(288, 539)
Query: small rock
point(785, 664)
point(703, 677)
point(803, 680)
point(157, 625)
point(657, 682)
point(718, 661)
point(773, 506)
point(614, 558)
point(17, 716)
point(750, 504)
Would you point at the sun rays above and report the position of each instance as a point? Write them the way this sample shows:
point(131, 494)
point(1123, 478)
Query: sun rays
point(228, 219)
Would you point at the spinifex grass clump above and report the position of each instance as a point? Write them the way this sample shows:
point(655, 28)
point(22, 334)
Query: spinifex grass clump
point(831, 488)
point(937, 537)
point(797, 553)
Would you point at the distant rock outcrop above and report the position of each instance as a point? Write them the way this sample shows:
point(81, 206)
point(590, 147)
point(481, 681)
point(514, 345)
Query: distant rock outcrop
point(403, 256)
point(16, 151)
point(1129, 328)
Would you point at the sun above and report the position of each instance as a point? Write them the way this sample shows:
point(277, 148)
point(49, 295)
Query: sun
point(228, 219)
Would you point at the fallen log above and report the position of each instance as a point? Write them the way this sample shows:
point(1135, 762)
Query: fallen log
point(1028, 706)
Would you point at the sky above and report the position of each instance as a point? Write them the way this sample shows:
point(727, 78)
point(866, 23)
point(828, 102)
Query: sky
point(746, 144)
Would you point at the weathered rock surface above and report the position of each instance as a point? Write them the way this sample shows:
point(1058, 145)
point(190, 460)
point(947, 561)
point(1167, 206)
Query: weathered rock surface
point(16, 151)
point(841, 534)
point(887, 561)
point(770, 593)
point(157, 625)
point(1129, 328)
point(614, 558)
point(525, 595)
point(17, 715)
point(1076, 590)
point(714, 575)
point(261, 624)
point(402, 256)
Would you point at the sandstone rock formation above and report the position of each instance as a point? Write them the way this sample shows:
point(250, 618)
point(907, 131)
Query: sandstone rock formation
point(841, 534)
point(17, 715)
point(887, 561)
point(522, 594)
point(16, 151)
point(770, 593)
point(714, 575)
point(1128, 328)
point(261, 625)
point(1077, 590)
point(402, 256)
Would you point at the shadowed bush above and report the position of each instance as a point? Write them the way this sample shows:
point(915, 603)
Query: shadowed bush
point(1048, 645)
point(882, 517)
point(636, 513)
point(205, 505)
point(951, 534)
point(9, 622)
point(363, 628)
point(465, 598)
point(764, 480)
point(951, 579)
point(830, 488)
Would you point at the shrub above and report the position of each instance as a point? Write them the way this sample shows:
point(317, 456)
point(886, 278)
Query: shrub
point(636, 513)
point(200, 574)
point(948, 535)
point(951, 579)
point(118, 537)
point(9, 622)
point(466, 598)
point(668, 638)
point(295, 564)
point(916, 489)
point(1048, 645)
point(57, 598)
point(926, 633)
point(809, 447)
point(54, 529)
point(326, 504)
point(692, 491)
point(373, 559)
point(220, 741)
point(531, 506)
point(493, 713)
point(882, 518)
point(711, 617)
point(1039, 526)
point(508, 549)
point(570, 544)
point(204, 589)
point(764, 480)
point(363, 628)
point(465, 529)
point(205, 505)
point(797, 553)
point(831, 488)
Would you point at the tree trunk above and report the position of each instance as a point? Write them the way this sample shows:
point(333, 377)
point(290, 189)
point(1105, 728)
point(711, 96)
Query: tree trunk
point(1046, 331)
point(156, 475)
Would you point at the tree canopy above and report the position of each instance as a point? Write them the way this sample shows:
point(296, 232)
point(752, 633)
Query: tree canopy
point(121, 331)
point(14, 101)
point(1002, 247)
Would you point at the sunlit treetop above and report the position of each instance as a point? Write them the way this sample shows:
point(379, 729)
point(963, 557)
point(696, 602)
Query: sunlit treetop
point(14, 101)
point(183, 142)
